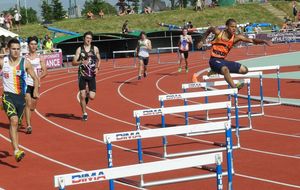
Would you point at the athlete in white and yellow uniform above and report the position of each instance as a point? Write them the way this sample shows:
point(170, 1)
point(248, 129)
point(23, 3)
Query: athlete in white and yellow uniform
point(15, 69)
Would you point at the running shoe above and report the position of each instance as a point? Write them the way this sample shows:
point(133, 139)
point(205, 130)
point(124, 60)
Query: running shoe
point(28, 130)
point(139, 77)
point(179, 69)
point(186, 69)
point(194, 78)
point(85, 117)
point(19, 155)
point(145, 74)
point(211, 72)
point(240, 85)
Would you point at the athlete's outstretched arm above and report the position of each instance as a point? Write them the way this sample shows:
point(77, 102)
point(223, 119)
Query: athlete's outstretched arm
point(149, 45)
point(254, 41)
point(97, 52)
point(1, 63)
point(75, 61)
point(30, 71)
point(44, 68)
point(213, 30)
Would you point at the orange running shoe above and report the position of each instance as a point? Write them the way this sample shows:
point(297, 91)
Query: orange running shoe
point(194, 78)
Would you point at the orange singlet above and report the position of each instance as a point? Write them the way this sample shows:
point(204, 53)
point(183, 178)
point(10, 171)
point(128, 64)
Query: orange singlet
point(220, 47)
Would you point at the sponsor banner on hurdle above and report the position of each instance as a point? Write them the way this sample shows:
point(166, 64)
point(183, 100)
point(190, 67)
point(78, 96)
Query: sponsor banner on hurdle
point(53, 60)
point(61, 181)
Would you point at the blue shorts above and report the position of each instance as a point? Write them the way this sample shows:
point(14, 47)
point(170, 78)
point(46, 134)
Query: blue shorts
point(216, 65)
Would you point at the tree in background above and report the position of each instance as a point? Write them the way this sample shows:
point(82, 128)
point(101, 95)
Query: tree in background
point(46, 11)
point(31, 15)
point(96, 5)
point(136, 5)
point(57, 10)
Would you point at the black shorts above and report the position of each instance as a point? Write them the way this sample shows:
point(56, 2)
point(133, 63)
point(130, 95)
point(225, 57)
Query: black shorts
point(90, 81)
point(30, 90)
point(145, 60)
point(13, 104)
point(185, 54)
point(17, 22)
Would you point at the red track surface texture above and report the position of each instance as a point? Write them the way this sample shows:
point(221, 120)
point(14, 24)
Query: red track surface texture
point(62, 143)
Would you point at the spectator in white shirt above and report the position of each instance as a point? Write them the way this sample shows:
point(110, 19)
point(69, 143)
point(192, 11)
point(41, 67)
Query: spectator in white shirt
point(17, 18)
point(24, 47)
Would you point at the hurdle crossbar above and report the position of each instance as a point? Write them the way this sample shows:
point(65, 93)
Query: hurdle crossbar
point(61, 181)
point(169, 131)
point(181, 109)
point(158, 51)
point(125, 51)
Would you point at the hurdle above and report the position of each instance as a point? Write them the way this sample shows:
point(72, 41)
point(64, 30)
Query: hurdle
point(126, 52)
point(61, 181)
point(206, 94)
point(161, 132)
point(264, 48)
point(186, 95)
point(205, 47)
point(209, 86)
point(182, 109)
point(159, 50)
point(257, 71)
point(68, 58)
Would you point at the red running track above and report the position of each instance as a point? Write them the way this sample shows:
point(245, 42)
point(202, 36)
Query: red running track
point(62, 143)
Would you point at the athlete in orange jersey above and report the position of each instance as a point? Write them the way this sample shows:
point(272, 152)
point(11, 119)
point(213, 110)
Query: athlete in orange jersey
point(221, 46)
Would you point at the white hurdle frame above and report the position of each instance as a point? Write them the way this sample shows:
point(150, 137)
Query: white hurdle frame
point(186, 95)
point(209, 86)
point(172, 51)
point(257, 71)
point(190, 108)
point(61, 181)
point(69, 66)
point(162, 132)
point(250, 74)
point(125, 51)
point(264, 50)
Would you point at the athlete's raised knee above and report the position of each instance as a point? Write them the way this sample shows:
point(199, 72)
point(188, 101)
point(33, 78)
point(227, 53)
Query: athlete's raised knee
point(243, 70)
point(225, 70)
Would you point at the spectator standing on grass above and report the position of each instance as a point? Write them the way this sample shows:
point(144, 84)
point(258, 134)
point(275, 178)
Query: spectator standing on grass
point(295, 11)
point(17, 18)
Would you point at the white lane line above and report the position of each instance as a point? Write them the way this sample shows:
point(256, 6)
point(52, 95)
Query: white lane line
point(267, 180)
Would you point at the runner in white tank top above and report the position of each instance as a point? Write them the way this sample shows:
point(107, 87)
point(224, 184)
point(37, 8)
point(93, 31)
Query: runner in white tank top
point(39, 67)
point(15, 69)
point(143, 48)
point(184, 43)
